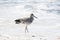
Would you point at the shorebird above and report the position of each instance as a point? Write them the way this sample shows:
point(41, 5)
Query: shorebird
point(26, 21)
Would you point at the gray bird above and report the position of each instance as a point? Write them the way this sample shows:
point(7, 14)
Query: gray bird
point(26, 21)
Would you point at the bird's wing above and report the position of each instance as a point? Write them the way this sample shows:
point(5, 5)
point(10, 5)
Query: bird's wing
point(25, 19)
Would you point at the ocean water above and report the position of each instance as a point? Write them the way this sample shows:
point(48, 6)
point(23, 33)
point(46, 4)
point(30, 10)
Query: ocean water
point(45, 27)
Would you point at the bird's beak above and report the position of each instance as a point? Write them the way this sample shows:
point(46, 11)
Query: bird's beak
point(35, 16)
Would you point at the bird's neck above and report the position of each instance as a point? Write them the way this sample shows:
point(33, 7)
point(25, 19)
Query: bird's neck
point(31, 17)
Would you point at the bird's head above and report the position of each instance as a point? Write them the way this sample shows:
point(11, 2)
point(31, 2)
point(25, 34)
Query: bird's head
point(32, 15)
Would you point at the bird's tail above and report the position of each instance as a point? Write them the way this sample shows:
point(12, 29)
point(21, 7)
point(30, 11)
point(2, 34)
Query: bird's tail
point(17, 21)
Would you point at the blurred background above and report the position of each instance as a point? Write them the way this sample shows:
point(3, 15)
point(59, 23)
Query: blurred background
point(47, 24)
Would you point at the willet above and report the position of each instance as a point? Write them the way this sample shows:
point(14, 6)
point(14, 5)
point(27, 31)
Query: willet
point(26, 21)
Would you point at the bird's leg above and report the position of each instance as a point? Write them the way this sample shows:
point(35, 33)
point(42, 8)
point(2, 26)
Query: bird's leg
point(26, 29)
